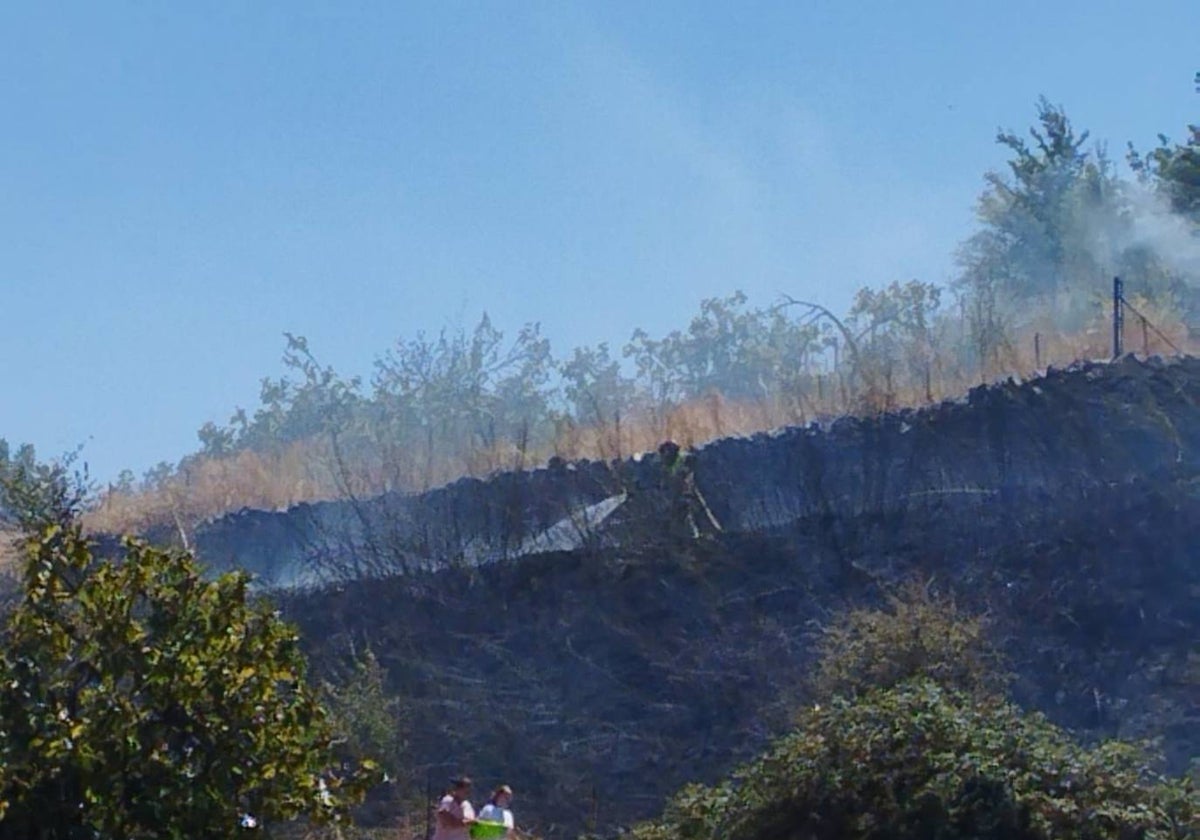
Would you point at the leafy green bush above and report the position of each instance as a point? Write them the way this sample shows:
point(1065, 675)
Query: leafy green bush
point(368, 721)
point(912, 740)
point(918, 760)
point(139, 700)
point(918, 634)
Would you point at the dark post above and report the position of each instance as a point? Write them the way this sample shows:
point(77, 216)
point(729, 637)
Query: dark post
point(1037, 350)
point(1145, 338)
point(429, 806)
point(1118, 316)
point(837, 372)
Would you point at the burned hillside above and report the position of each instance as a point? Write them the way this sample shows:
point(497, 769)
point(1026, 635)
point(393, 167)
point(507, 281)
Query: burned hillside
point(1064, 507)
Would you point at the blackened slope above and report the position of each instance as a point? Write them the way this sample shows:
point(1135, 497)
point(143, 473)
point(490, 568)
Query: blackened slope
point(473, 520)
point(633, 674)
point(1060, 436)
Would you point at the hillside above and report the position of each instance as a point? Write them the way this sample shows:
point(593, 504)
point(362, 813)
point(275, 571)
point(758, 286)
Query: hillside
point(1009, 448)
point(1066, 507)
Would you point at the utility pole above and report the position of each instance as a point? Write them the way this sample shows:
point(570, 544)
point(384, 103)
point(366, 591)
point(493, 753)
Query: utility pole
point(1118, 316)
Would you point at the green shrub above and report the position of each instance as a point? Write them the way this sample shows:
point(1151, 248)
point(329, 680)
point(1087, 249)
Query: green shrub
point(918, 760)
point(918, 634)
point(913, 740)
point(368, 722)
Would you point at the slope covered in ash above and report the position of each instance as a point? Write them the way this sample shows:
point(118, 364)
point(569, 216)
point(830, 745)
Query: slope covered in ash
point(599, 680)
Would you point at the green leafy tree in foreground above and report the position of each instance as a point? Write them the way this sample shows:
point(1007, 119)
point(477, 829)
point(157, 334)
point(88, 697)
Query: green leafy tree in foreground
point(139, 700)
point(911, 741)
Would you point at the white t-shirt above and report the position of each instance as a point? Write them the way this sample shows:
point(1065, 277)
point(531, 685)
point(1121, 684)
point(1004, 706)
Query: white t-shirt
point(494, 813)
point(463, 811)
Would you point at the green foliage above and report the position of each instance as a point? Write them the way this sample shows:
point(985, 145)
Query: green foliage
point(316, 403)
point(1040, 221)
point(917, 635)
point(897, 330)
point(1054, 231)
point(470, 388)
point(1033, 209)
point(368, 721)
point(595, 389)
point(1055, 224)
point(1174, 170)
point(468, 400)
point(746, 354)
point(911, 740)
point(139, 700)
point(33, 492)
point(922, 761)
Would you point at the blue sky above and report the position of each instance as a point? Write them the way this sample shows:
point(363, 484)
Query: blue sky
point(182, 183)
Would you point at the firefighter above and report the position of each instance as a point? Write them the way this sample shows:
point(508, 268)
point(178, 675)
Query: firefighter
point(685, 503)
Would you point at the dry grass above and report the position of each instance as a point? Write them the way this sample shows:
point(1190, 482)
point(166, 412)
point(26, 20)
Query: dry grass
point(312, 471)
point(213, 486)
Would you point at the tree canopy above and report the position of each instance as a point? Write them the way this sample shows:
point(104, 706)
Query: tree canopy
point(139, 700)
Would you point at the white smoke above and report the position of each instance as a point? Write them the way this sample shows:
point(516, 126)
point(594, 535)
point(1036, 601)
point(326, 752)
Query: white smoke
point(1172, 238)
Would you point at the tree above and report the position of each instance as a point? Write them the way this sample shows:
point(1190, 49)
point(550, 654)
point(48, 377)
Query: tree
point(986, 311)
point(370, 724)
point(1054, 228)
point(1174, 170)
point(896, 324)
point(33, 492)
point(139, 700)
point(596, 392)
point(451, 397)
point(1035, 239)
point(321, 403)
point(746, 355)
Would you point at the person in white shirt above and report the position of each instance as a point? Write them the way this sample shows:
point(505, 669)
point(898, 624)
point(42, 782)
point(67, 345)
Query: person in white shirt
point(454, 813)
point(497, 810)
